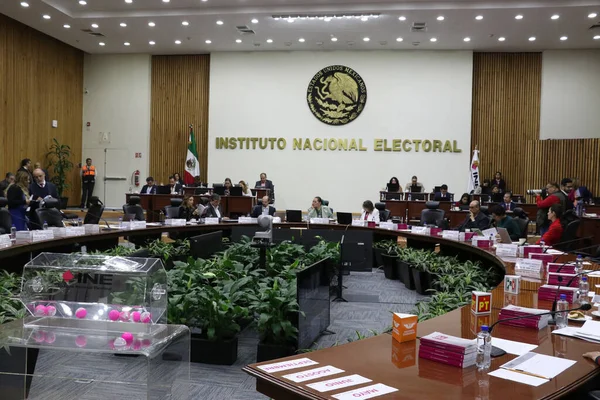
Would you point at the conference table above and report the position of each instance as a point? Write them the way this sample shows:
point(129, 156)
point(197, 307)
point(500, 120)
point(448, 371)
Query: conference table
point(380, 358)
point(257, 192)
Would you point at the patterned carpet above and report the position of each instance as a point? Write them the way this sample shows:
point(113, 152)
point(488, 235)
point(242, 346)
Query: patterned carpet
point(209, 382)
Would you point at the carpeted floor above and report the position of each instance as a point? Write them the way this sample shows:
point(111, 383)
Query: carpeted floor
point(379, 297)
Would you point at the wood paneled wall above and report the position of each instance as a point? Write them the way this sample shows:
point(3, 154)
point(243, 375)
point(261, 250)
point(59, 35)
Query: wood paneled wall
point(506, 127)
point(41, 79)
point(180, 90)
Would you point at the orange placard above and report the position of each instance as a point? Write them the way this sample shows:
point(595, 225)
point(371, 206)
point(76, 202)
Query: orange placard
point(404, 327)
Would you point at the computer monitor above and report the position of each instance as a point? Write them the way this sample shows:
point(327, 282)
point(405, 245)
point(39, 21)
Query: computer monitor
point(437, 189)
point(392, 196)
point(415, 188)
point(201, 190)
point(419, 196)
point(220, 190)
point(204, 246)
point(293, 215)
point(344, 218)
point(235, 191)
point(165, 189)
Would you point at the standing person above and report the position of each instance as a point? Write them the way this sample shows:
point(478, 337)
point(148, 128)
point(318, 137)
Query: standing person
point(499, 181)
point(26, 167)
point(555, 196)
point(264, 183)
point(88, 180)
point(10, 178)
point(17, 195)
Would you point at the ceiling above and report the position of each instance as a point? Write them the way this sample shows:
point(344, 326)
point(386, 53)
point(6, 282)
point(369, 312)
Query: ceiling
point(386, 31)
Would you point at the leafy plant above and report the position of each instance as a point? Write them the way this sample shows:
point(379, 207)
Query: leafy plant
point(10, 307)
point(166, 251)
point(58, 157)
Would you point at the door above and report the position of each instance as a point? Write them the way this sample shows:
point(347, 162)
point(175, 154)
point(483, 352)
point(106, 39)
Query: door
point(117, 177)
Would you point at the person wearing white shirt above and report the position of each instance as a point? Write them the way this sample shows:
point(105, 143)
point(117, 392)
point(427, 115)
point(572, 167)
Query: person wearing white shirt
point(369, 213)
point(213, 210)
point(245, 190)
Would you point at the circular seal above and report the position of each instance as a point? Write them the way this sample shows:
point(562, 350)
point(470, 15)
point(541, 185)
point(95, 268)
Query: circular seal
point(336, 95)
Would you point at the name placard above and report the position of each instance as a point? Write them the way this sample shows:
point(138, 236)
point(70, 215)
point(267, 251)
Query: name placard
point(211, 221)
point(5, 241)
point(388, 225)
point(285, 365)
point(367, 392)
point(276, 220)
point(360, 222)
point(91, 229)
point(311, 374)
point(319, 220)
point(139, 224)
point(248, 220)
point(529, 265)
point(338, 383)
point(420, 230)
point(39, 236)
point(175, 221)
point(59, 232)
point(74, 231)
point(506, 250)
point(451, 235)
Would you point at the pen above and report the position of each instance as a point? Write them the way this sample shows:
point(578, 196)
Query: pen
point(528, 373)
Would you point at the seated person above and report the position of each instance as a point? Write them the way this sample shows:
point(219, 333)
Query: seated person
point(197, 181)
point(369, 213)
point(501, 220)
point(485, 188)
point(149, 187)
point(263, 209)
point(507, 202)
point(443, 194)
point(476, 219)
point(213, 209)
point(554, 233)
point(227, 185)
point(498, 181)
point(393, 185)
point(318, 210)
point(245, 189)
point(414, 182)
point(174, 186)
point(177, 178)
point(188, 209)
point(464, 201)
point(496, 194)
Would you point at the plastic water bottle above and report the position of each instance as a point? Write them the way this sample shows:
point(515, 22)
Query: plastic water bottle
point(79, 222)
point(45, 226)
point(582, 293)
point(579, 264)
point(543, 244)
point(120, 222)
point(492, 240)
point(484, 348)
point(561, 315)
point(13, 234)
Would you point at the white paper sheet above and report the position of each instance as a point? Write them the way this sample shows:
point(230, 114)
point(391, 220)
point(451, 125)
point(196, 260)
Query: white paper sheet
point(511, 347)
point(573, 332)
point(338, 383)
point(285, 365)
point(539, 364)
point(591, 327)
point(311, 374)
point(517, 377)
point(367, 392)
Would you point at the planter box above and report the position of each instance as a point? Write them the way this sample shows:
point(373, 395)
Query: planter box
point(266, 352)
point(390, 266)
point(422, 280)
point(220, 352)
point(407, 277)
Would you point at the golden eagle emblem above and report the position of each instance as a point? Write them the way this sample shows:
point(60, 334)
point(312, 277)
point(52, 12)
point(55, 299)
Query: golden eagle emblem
point(336, 95)
point(190, 163)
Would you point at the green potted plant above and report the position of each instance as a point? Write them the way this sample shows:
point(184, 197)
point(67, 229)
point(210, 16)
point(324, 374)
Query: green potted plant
point(390, 253)
point(58, 157)
point(407, 259)
point(275, 307)
point(421, 271)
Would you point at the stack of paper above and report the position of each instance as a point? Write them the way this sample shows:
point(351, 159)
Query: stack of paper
point(532, 369)
point(548, 292)
point(564, 268)
point(571, 280)
point(448, 349)
point(534, 320)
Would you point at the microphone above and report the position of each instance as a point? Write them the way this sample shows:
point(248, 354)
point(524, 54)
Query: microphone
point(583, 307)
point(553, 320)
point(568, 241)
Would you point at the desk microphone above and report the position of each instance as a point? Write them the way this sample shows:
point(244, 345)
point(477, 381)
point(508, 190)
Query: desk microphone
point(566, 242)
point(100, 218)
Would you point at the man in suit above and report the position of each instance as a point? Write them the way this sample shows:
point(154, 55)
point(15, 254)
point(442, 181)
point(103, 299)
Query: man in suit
point(318, 210)
point(10, 178)
point(213, 209)
point(476, 219)
point(40, 190)
point(414, 182)
point(39, 165)
point(264, 183)
point(507, 202)
point(149, 187)
point(26, 166)
point(443, 194)
point(174, 187)
point(263, 209)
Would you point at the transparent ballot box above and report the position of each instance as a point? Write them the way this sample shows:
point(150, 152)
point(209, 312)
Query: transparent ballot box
point(86, 287)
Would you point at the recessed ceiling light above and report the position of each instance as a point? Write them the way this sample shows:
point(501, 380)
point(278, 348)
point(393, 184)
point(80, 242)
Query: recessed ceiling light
point(532, 39)
point(166, 1)
point(102, 44)
point(467, 39)
point(178, 42)
point(518, 16)
point(479, 17)
point(152, 24)
point(219, 22)
point(126, 43)
point(204, 1)
point(290, 20)
point(433, 39)
point(208, 41)
point(555, 16)
point(269, 40)
point(66, 26)
point(82, 2)
point(46, 16)
point(128, 1)
point(185, 23)
point(366, 39)
point(563, 38)
point(399, 39)
point(255, 21)
point(24, 4)
point(123, 24)
point(501, 39)
point(301, 40)
point(364, 19)
point(592, 15)
point(152, 42)
point(402, 18)
point(334, 39)
point(238, 40)
point(440, 18)
point(327, 19)
point(94, 26)
point(596, 37)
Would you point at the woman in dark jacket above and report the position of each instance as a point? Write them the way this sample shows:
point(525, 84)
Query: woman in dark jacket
point(187, 209)
point(17, 195)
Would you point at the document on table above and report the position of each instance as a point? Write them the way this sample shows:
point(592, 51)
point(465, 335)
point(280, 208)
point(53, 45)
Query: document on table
point(518, 377)
point(589, 331)
point(575, 333)
point(538, 365)
point(511, 347)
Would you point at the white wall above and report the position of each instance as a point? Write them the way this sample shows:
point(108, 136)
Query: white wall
point(570, 94)
point(117, 103)
point(411, 95)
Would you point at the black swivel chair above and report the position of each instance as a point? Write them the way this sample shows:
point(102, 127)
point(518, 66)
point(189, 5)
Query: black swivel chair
point(384, 214)
point(569, 235)
point(485, 210)
point(522, 221)
point(50, 214)
point(94, 213)
point(5, 219)
point(432, 215)
point(133, 208)
point(172, 211)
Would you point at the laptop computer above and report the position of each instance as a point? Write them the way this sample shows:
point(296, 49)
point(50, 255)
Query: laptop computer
point(235, 191)
point(201, 190)
point(293, 215)
point(165, 189)
point(220, 190)
point(415, 189)
point(504, 236)
point(344, 218)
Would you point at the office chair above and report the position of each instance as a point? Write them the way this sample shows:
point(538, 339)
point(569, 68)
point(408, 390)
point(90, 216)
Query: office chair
point(384, 214)
point(569, 235)
point(522, 221)
point(133, 208)
point(171, 211)
point(50, 214)
point(485, 210)
point(5, 219)
point(432, 215)
point(176, 201)
point(94, 213)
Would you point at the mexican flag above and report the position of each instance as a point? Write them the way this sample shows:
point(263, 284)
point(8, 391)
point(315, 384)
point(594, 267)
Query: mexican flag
point(192, 166)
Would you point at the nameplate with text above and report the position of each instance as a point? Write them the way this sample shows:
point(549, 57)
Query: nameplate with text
point(247, 220)
point(319, 220)
point(506, 250)
point(5, 241)
point(311, 374)
point(338, 383)
point(138, 224)
point(74, 231)
point(59, 232)
point(360, 222)
point(529, 265)
point(420, 230)
point(285, 365)
point(276, 220)
point(388, 225)
point(91, 229)
point(451, 235)
point(39, 236)
point(175, 222)
point(367, 392)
